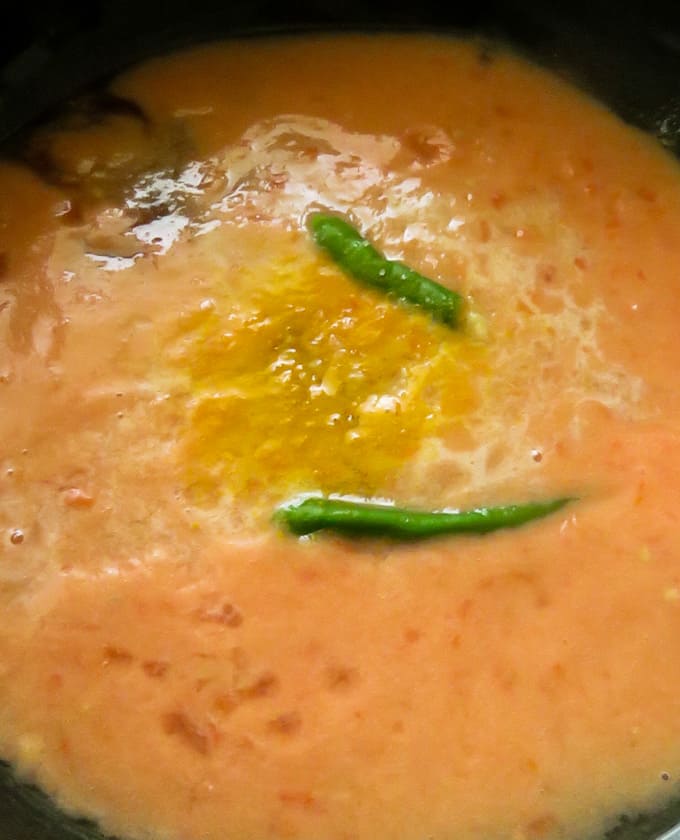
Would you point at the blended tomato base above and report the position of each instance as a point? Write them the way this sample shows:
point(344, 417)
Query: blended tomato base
point(178, 358)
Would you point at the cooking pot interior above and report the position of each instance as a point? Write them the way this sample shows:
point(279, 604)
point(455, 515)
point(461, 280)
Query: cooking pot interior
point(628, 56)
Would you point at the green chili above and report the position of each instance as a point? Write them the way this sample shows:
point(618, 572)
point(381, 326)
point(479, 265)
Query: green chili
point(362, 261)
point(383, 520)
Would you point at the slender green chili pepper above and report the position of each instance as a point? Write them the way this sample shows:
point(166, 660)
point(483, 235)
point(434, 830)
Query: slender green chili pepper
point(360, 259)
point(381, 520)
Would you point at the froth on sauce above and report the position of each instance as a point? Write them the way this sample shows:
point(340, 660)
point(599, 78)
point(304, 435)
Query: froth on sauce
point(178, 358)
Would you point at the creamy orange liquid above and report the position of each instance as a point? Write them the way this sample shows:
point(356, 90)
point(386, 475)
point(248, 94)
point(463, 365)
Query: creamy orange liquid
point(178, 358)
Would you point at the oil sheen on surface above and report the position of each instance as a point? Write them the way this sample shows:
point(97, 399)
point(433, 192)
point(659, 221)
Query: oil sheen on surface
point(177, 358)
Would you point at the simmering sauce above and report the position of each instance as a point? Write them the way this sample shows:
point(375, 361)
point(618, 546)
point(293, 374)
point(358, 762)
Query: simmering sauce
point(178, 358)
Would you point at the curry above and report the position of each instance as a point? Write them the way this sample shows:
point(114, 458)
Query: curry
point(184, 356)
